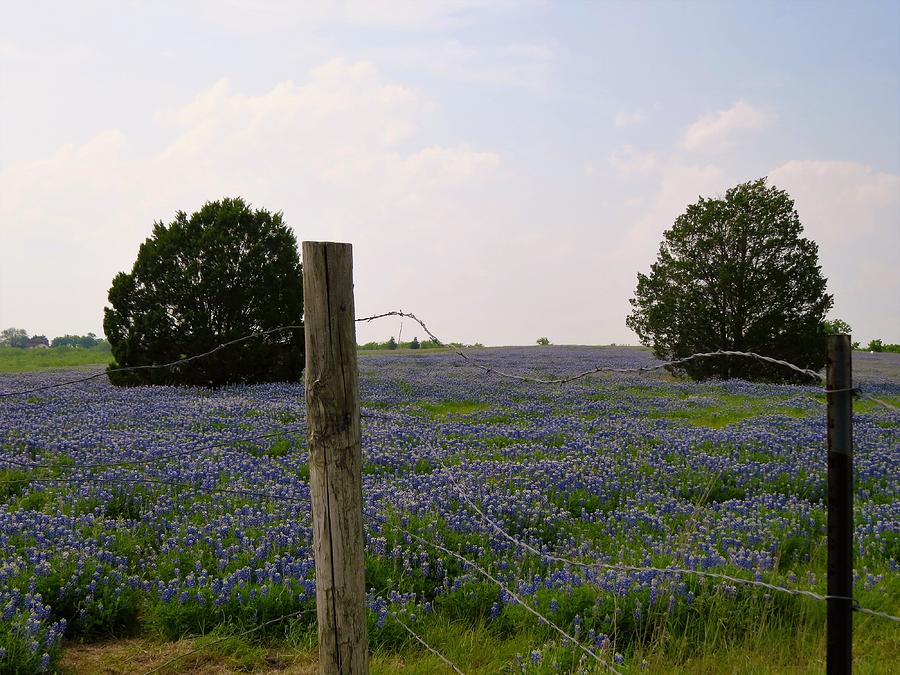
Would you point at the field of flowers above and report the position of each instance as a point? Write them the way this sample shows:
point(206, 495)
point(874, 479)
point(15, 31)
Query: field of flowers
point(177, 512)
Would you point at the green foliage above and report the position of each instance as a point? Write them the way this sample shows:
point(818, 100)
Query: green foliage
point(393, 344)
point(13, 482)
point(879, 346)
point(85, 341)
point(14, 337)
point(224, 273)
point(836, 327)
point(247, 607)
point(735, 274)
point(543, 341)
point(19, 656)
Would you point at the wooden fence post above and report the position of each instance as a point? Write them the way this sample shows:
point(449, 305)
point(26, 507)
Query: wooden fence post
point(335, 457)
point(839, 380)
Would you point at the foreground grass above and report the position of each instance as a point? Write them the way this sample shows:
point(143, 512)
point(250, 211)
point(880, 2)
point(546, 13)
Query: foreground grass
point(476, 648)
point(15, 360)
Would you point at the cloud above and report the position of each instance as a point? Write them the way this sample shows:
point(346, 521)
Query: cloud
point(852, 211)
point(344, 154)
point(520, 65)
point(720, 130)
point(849, 209)
point(629, 161)
point(627, 118)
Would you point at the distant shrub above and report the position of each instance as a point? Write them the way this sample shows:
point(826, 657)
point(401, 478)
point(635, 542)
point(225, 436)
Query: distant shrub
point(879, 346)
point(543, 341)
point(414, 344)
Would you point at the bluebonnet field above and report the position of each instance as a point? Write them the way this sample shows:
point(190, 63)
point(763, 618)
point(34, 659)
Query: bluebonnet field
point(177, 511)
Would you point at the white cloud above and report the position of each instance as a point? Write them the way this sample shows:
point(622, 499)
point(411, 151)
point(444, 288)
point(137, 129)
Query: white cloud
point(345, 156)
point(720, 130)
point(629, 161)
point(627, 118)
point(853, 212)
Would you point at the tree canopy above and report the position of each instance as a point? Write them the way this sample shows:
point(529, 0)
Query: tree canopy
point(223, 273)
point(14, 337)
point(735, 273)
point(85, 341)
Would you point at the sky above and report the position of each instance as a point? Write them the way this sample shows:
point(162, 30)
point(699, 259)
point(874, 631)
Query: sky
point(503, 169)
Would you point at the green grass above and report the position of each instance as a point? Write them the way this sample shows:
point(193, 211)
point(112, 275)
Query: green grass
point(446, 408)
point(15, 360)
point(768, 640)
point(727, 409)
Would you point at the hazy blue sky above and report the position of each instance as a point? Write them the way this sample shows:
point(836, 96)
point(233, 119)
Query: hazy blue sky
point(503, 169)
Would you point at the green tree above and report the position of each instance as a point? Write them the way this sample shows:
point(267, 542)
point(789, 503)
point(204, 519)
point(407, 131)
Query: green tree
point(734, 273)
point(221, 274)
point(414, 344)
point(392, 343)
point(14, 337)
point(543, 341)
point(836, 327)
point(875, 345)
point(86, 341)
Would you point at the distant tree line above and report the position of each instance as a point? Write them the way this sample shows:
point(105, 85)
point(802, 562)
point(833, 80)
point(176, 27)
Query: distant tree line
point(392, 344)
point(86, 341)
point(19, 338)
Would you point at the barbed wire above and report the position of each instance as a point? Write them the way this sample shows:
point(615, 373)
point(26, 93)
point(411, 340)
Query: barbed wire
point(600, 369)
point(872, 612)
point(637, 568)
point(207, 645)
point(885, 404)
point(523, 545)
point(154, 366)
point(660, 570)
point(514, 595)
point(427, 646)
point(456, 350)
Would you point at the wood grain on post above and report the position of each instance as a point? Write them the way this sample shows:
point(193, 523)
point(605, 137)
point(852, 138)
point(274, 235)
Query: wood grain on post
point(335, 456)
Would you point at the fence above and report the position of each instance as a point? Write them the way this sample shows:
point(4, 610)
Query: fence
point(334, 439)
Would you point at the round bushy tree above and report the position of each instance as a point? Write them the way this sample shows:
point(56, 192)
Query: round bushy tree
point(225, 272)
point(735, 274)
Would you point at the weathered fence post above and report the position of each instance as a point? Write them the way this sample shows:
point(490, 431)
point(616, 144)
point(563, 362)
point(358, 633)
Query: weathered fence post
point(335, 457)
point(839, 380)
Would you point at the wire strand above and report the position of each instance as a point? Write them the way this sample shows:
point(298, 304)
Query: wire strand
point(155, 366)
point(512, 594)
point(427, 646)
point(203, 647)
